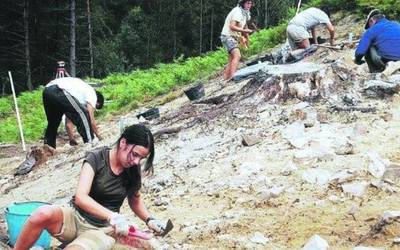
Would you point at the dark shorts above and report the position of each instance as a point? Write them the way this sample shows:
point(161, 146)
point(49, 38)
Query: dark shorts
point(229, 43)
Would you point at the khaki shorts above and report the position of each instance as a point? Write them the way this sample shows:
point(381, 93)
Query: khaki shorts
point(78, 232)
point(296, 34)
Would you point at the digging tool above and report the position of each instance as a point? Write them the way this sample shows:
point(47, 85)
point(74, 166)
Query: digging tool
point(337, 47)
point(168, 228)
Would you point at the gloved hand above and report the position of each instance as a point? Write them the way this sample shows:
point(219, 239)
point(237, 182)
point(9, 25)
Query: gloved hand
point(156, 225)
point(119, 223)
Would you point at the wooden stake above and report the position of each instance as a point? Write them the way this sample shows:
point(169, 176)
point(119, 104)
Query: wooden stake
point(16, 109)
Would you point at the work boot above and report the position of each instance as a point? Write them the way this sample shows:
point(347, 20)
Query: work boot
point(36, 157)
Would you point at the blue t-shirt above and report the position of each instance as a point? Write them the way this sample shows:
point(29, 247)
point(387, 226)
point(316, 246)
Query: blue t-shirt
point(385, 36)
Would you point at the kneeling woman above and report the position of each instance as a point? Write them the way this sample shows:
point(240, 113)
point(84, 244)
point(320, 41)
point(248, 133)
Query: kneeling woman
point(107, 177)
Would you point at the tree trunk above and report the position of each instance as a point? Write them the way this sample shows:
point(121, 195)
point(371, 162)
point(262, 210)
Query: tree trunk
point(201, 27)
point(148, 49)
point(212, 27)
point(72, 51)
point(266, 14)
point(90, 38)
point(174, 30)
point(27, 50)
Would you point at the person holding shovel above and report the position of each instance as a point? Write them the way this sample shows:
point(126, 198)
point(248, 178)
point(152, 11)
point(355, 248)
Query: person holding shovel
point(234, 33)
point(108, 176)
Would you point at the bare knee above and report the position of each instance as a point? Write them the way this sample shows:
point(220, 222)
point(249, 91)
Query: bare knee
point(236, 55)
point(304, 44)
point(42, 216)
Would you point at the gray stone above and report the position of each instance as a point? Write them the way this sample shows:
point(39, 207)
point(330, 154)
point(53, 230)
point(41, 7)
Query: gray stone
point(250, 140)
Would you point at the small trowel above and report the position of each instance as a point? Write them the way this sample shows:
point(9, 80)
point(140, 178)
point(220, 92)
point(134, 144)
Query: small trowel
point(168, 228)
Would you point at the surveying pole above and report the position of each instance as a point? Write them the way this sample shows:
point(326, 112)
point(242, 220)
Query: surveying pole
point(61, 72)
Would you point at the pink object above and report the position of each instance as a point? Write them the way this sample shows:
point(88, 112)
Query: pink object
point(137, 233)
point(135, 238)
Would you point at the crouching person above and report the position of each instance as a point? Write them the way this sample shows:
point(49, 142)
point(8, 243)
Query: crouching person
point(380, 43)
point(108, 176)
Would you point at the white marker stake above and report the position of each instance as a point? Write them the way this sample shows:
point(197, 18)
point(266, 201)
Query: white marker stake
point(298, 7)
point(16, 109)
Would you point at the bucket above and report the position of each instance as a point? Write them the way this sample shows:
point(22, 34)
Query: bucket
point(150, 114)
point(195, 92)
point(16, 214)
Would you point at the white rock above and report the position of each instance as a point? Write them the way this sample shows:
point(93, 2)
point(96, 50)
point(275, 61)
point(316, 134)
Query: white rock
point(259, 238)
point(333, 198)
point(295, 134)
point(391, 215)
point(316, 176)
point(312, 155)
point(342, 176)
point(272, 193)
point(377, 165)
point(316, 243)
point(356, 189)
point(289, 169)
point(320, 203)
point(250, 168)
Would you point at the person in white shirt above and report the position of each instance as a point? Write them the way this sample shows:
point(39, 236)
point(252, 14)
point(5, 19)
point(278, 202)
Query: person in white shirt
point(234, 32)
point(299, 28)
point(76, 100)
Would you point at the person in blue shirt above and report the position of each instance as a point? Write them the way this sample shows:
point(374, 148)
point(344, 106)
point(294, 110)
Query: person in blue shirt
point(380, 42)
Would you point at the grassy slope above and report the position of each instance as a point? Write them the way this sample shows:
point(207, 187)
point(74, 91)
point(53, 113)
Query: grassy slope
point(126, 90)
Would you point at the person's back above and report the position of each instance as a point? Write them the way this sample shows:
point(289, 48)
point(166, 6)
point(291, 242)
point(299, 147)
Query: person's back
point(79, 89)
point(385, 36)
point(310, 18)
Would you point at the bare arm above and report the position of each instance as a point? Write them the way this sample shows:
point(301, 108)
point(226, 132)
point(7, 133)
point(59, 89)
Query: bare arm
point(69, 127)
point(82, 198)
point(331, 30)
point(93, 121)
point(235, 26)
point(137, 206)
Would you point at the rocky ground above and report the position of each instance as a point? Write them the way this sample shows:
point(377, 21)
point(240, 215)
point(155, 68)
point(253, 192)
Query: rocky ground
point(263, 163)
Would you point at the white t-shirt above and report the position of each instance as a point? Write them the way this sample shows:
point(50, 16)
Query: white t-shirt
point(310, 18)
point(237, 16)
point(77, 88)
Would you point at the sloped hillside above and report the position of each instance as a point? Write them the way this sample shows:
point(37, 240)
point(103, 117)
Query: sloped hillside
point(260, 164)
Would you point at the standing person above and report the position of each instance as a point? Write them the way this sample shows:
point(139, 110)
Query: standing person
point(234, 32)
point(108, 176)
point(380, 43)
point(77, 100)
point(299, 28)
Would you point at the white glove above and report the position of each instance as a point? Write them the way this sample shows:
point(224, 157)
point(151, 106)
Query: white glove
point(156, 225)
point(120, 224)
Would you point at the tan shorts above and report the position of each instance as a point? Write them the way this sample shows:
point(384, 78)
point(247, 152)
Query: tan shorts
point(78, 232)
point(296, 34)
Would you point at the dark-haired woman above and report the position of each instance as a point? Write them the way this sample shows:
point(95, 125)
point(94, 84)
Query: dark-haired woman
point(107, 177)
